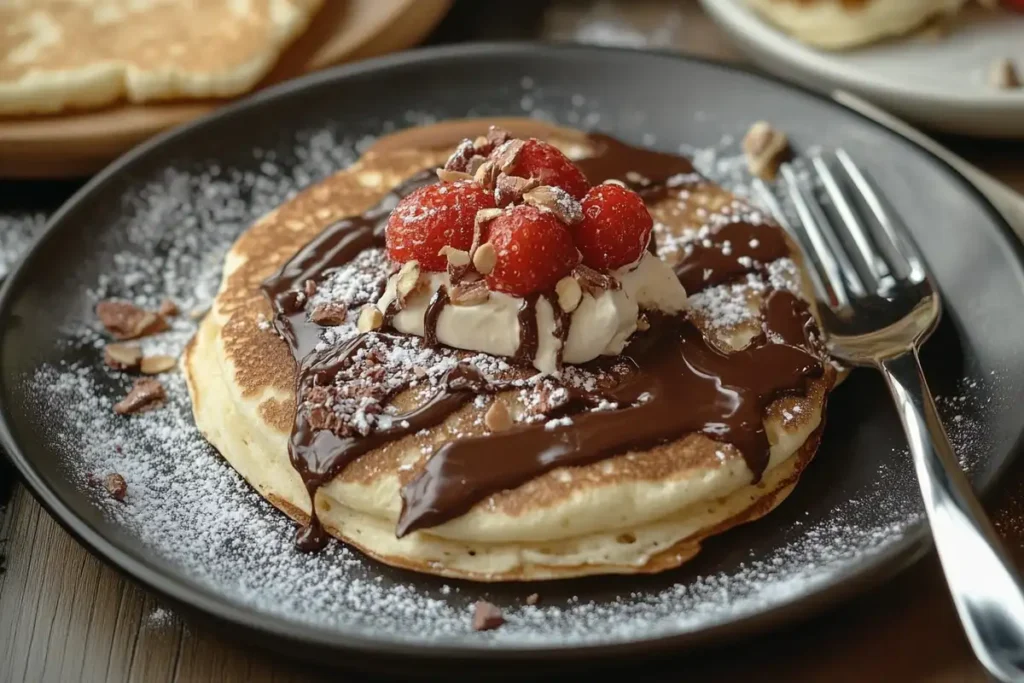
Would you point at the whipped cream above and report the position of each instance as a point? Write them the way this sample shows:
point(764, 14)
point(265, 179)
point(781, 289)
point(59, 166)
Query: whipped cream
point(601, 325)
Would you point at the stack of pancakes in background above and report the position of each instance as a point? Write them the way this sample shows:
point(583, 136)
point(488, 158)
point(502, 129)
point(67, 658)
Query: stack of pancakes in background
point(57, 55)
point(841, 24)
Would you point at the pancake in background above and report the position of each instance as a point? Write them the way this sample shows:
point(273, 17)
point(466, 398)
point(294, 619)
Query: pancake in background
point(639, 512)
point(56, 54)
point(841, 24)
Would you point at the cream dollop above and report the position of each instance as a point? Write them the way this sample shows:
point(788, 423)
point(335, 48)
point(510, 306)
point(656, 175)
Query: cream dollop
point(601, 325)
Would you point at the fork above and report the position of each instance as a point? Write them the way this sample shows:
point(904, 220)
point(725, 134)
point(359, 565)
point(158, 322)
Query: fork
point(878, 305)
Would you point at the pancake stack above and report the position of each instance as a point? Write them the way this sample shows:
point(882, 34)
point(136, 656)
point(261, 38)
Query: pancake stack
point(843, 24)
point(56, 55)
point(447, 494)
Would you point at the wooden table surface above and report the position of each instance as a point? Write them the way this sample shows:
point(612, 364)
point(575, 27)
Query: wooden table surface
point(65, 616)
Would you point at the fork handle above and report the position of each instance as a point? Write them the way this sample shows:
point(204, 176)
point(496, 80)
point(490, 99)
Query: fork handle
point(981, 578)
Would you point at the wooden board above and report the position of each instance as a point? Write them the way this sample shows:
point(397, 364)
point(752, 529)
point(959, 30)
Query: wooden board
point(79, 144)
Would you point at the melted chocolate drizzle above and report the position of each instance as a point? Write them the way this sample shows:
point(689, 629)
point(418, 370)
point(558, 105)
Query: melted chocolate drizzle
point(678, 384)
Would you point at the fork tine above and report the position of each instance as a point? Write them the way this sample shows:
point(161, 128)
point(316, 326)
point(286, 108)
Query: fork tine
point(823, 291)
point(898, 235)
point(826, 248)
point(877, 268)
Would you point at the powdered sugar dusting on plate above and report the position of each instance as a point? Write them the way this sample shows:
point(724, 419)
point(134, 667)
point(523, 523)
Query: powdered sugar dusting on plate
point(194, 513)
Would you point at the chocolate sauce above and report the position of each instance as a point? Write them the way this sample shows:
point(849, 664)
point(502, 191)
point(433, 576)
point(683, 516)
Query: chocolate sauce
point(526, 351)
point(433, 312)
point(681, 385)
point(678, 383)
point(731, 251)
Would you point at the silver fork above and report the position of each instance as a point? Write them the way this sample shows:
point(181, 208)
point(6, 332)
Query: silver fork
point(878, 304)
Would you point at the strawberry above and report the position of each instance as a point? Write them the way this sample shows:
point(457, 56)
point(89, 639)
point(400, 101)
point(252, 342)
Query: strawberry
point(432, 218)
point(615, 229)
point(548, 165)
point(1016, 5)
point(534, 251)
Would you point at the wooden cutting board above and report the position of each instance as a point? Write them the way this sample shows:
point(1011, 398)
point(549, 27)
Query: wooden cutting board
point(79, 144)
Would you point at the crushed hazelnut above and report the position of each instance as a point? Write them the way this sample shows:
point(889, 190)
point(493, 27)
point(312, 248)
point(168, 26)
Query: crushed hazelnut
point(569, 294)
point(486, 616)
point(509, 189)
point(408, 281)
point(329, 314)
point(154, 365)
point(125, 320)
point(446, 176)
point(469, 293)
point(122, 356)
point(557, 201)
point(370, 318)
point(116, 486)
point(505, 156)
point(146, 394)
point(765, 148)
point(456, 257)
point(485, 258)
point(497, 418)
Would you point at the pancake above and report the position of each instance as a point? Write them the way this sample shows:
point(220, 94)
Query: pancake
point(843, 24)
point(56, 54)
point(640, 511)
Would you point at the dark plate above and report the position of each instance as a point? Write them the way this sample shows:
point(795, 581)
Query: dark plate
point(197, 536)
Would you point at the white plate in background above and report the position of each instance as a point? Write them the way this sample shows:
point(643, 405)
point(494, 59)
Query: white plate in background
point(939, 83)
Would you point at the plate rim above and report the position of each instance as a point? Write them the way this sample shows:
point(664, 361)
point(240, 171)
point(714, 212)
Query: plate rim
point(179, 589)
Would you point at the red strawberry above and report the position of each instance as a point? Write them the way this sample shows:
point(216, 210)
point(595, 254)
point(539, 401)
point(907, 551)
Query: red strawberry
point(1017, 5)
point(548, 165)
point(432, 218)
point(534, 251)
point(615, 229)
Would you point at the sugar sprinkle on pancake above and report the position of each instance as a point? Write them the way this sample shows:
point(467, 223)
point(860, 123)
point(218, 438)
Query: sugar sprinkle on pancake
point(640, 511)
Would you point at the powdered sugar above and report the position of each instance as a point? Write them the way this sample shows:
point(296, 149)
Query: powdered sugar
point(195, 516)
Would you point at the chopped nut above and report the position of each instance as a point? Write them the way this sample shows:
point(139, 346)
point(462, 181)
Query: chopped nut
point(408, 281)
point(122, 356)
point(1003, 74)
point(594, 282)
point(419, 371)
point(485, 258)
point(309, 288)
point(459, 160)
point(469, 293)
point(456, 257)
point(370, 318)
point(483, 217)
point(486, 174)
point(481, 143)
point(497, 136)
point(509, 189)
point(486, 616)
point(613, 181)
point(506, 155)
point(474, 165)
point(557, 201)
point(125, 320)
point(168, 308)
point(446, 176)
point(329, 314)
point(154, 365)
point(497, 418)
point(569, 294)
point(532, 599)
point(765, 148)
point(146, 394)
point(642, 324)
point(116, 486)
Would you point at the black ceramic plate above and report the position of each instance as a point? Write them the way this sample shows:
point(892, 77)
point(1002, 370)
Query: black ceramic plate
point(158, 221)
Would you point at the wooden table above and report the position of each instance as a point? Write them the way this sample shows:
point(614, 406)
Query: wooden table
point(65, 616)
